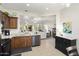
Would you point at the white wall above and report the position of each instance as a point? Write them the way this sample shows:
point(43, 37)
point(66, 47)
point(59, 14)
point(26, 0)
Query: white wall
point(69, 14)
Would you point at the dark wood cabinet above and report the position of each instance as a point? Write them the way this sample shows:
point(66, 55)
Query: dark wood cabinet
point(28, 41)
point(5, 20)
point(12, 43)
point(21, 42)
point(0, 50)
point(13, 22)
point(0, 46)
point(0, 15)
point(62, 43)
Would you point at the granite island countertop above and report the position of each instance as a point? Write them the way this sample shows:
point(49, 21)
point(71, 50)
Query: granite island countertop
point(17, 34)
point(67, 37)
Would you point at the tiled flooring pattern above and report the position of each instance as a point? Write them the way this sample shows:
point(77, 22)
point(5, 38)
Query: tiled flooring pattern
point(47, 48)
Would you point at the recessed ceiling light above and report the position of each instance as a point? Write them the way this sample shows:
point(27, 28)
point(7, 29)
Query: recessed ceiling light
point(47, 8)
point(68, 5)
point(28, 4)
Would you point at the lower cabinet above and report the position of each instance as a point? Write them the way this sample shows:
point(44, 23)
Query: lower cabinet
point(21, 42)
point(0, 46)
point(12, 43)
point(28, 41)
point(62, 43)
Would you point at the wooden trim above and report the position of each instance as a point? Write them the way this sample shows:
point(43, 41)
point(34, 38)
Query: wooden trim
point(14, 17)
point(4, 13)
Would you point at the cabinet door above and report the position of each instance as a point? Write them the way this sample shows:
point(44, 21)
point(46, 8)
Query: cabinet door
point(5, 20)
point(13, 22)
point(12, 43)
point(22, 42)
point(28, 40)
point(0, 47)
point(19, 42)
point(59, 43)
point(0, 15)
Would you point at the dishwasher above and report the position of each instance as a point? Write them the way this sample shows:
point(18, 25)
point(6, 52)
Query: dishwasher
point(35, 40)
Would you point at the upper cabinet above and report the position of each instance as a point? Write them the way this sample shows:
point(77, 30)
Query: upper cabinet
point(0, 15)
point(7, 21)
point(4, 19)
point(13, 22)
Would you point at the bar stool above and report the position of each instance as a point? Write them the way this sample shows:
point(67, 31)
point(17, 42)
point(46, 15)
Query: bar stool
point(72, 51)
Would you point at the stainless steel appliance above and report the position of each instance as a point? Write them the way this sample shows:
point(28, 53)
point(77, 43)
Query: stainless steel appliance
point(36, 40)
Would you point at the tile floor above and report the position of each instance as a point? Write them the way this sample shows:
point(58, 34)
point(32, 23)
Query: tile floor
point(47, 48)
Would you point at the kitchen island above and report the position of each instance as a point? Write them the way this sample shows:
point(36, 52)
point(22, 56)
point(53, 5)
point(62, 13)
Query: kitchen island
point(22, 42)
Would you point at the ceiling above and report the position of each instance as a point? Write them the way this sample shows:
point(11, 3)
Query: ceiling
point(37, 8)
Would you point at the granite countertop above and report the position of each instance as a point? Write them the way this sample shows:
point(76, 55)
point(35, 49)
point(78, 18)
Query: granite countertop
point(67, 37)
point(5, 37)
point(17, 34)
